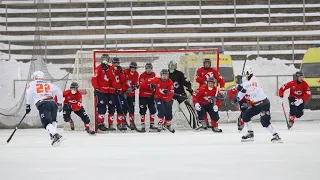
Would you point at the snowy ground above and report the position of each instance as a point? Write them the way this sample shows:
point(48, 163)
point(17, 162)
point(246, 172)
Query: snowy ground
point(183, 155)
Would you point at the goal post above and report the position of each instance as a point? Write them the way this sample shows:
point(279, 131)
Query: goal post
point(188, 62)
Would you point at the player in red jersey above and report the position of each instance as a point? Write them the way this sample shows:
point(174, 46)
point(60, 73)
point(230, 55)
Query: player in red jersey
point(243, 105)
point(206, 72)
point(146, 98)
point(73, 102)
point(101, 82)
point(299, 94)
point(163, 98)
point(116, 96)
point(204, 99)
point(131, 84)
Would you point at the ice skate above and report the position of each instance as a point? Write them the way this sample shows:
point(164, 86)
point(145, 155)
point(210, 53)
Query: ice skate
point(248, 137)
point(71, 124)
point(111, 128)
point(169, 127)
point(102, 127)
point(57, 139)
point(90, 132)
point(216, 130)
point(276, 139)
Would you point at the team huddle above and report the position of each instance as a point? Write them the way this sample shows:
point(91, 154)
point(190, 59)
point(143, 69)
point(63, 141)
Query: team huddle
point(115, 90)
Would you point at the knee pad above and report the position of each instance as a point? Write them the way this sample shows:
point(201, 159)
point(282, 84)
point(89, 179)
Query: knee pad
point(299, 114)
point(66, 117)
point(85, 119)
point(265, 118)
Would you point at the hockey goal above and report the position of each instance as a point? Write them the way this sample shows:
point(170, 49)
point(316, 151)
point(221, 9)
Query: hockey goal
point(188, 62)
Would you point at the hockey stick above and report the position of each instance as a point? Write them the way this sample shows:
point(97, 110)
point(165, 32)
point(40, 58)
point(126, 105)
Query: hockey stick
point(9, 139)
point(134, 124)
point(285, 115)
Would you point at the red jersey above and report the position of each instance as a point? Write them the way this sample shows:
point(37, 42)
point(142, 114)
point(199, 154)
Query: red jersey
point(145, 91)
point(204, 96)
point(117, 82)
point(131, 80)
point(160, 87)
point(233, 92)
point(75, 100)
point(202, 73)
point(298, 91)
point(101, 79)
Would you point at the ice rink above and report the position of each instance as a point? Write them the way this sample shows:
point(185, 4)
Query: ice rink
point(185, 155)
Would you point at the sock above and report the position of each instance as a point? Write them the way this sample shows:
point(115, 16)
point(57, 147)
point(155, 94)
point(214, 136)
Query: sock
point(143, 117)
point(52, 130)
point(119, 119)
point(161, 120)
point(110, 118)
point(131, 118)
point(241, 121)
point(214, 123)
point(101, 118)
point(271, 130)
point(292, 118)
point(86, 126)
point(249, 125)
point(152, 116)
point(168, 122)
point(55, 124)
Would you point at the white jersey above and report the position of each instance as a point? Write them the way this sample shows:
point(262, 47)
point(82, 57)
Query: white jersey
point(40, 90)
point(254, 90)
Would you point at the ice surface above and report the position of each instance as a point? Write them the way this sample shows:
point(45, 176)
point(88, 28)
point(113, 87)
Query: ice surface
point(184, 155)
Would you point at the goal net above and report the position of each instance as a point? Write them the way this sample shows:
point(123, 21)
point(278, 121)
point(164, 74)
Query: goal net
point(188, 62)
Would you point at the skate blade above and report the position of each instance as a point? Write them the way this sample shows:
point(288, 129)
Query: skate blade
point(247, 140)
point(58, 143)
point(277, 141)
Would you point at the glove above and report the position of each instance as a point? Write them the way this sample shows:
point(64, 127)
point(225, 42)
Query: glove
point(28, 108)
point(298, 102)
point(190, 91)
point(198, 107)
point(118, 91)
point(120, 69)
point(240, 89)
point(165, 91)
point(129, 90)
point(223, 92)
point(215, 108)
point(96, 92)
point(152, 86)
point(281, 100)
point(104, 66)
point(59, 107)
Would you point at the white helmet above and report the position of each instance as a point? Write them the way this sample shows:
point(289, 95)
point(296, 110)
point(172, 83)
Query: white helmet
point(38, 75)
point(248, 70)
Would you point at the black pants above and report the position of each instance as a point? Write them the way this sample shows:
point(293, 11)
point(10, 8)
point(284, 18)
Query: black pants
point(164, 109)
point(129, 105)
point(116, 102)
point(208, 108)
point(243, 107)
point(262, 107)
point(102, 102)
point(48, 112)
point(179, 98)
point(146, 102)
point(295, 110)
point(81, 113)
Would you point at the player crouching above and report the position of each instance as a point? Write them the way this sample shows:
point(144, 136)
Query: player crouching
point(259, 104)
point(163, 98)
point(73, 102)
point(204, 100)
